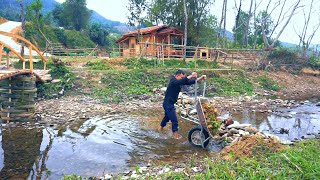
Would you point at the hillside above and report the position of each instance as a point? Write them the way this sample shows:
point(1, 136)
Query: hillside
point(10, 10)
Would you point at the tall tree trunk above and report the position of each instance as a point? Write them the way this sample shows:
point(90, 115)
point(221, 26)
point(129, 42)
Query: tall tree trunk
point(237, 24)
point(269, 46)
point(255, 25)
point(245, 35)
point(23, 23)
point(224, 24)
point(220, 25)
point(185, 30)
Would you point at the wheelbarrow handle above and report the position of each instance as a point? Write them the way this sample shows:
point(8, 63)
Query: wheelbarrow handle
point(204, 88)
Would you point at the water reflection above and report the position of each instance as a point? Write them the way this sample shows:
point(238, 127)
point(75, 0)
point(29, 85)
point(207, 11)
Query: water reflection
point(301, 122)
point(89, 147)
point(22, 157)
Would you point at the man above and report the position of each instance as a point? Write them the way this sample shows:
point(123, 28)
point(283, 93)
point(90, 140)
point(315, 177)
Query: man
point(171, 97)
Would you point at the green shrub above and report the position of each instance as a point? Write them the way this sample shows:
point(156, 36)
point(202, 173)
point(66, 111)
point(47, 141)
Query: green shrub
point(76, 39)
point(283, 56)
point(314, 62)
point(268, 83)
point(58, 71)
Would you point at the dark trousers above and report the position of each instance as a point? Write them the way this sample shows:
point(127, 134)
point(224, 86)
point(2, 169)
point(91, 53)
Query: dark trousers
point(170, 114)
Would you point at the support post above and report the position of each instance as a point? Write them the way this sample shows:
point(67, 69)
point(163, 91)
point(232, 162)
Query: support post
point(7, 54)
point(30, 59)
point(169, 46)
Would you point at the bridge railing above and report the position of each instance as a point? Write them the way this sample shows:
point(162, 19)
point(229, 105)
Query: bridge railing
point(31, 47)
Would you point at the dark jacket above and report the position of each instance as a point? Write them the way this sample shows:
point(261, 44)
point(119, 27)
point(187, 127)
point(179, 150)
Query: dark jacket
point(174, 89)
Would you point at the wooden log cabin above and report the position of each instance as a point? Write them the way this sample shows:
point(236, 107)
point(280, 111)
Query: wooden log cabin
point(155, 41)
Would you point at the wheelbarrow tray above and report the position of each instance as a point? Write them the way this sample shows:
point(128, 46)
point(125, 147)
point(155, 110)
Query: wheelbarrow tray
point(201, 116)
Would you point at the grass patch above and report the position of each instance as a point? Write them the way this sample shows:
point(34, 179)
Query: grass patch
point(301, 161)
point(36, 65)
point(268, 83)
point(134, 63)
point(99, 65)
point(117, 86)
point(233, 84)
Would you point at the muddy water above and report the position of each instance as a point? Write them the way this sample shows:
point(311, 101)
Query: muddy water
point(291, 124)
point(89, 147)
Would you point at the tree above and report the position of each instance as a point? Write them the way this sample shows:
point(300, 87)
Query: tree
point(98, 34)
point(57, 14)
point(304, 40)
point(257, 38)
point(223, 19)
point(185, 29)
point(282, 17)
point(72, 14)
point(171, 13)
point(246, 30)
point(136, 7)
point(240, 28)
point(23, 25)
point(34, 13)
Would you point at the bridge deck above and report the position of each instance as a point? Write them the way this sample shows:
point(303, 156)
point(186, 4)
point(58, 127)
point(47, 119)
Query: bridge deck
point(40, 74)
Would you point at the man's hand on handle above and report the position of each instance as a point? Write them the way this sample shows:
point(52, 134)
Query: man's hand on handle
point(193, 75)
point(201, 78)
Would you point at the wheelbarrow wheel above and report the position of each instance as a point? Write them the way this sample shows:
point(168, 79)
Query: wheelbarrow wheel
point(196, 137)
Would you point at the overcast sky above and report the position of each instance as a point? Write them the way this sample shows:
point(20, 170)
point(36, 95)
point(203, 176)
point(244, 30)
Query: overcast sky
point(117, 10)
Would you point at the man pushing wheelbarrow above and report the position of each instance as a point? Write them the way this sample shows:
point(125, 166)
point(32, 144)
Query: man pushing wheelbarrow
point(171, 97)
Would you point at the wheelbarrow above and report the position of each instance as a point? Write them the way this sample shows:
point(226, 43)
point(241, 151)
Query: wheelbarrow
point(199, 135)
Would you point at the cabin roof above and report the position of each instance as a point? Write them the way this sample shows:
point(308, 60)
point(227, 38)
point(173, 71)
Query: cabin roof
point(162, 29)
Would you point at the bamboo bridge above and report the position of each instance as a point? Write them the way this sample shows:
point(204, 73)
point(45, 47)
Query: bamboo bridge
point(18, 86)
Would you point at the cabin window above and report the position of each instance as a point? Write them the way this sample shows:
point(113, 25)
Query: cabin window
point(132, 45)
point(204, 54)
point(176, 40)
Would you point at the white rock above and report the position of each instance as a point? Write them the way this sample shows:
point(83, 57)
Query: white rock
point(195, 169)
point(144, 168)
point(273, 137)
point(107, 176)
point(193, 112)
point(239, 126)
point(163, 90)
point(286, 142)
point(179, 170)
point(56, 81)
point(134, 176)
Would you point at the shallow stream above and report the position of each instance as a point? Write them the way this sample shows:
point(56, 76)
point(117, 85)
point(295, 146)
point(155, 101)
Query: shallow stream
point(116, 143)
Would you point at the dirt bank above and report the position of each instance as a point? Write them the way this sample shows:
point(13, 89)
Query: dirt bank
point(298, 87)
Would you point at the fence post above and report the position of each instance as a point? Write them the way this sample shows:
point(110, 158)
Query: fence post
point(232, 61)
point(1, 46)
